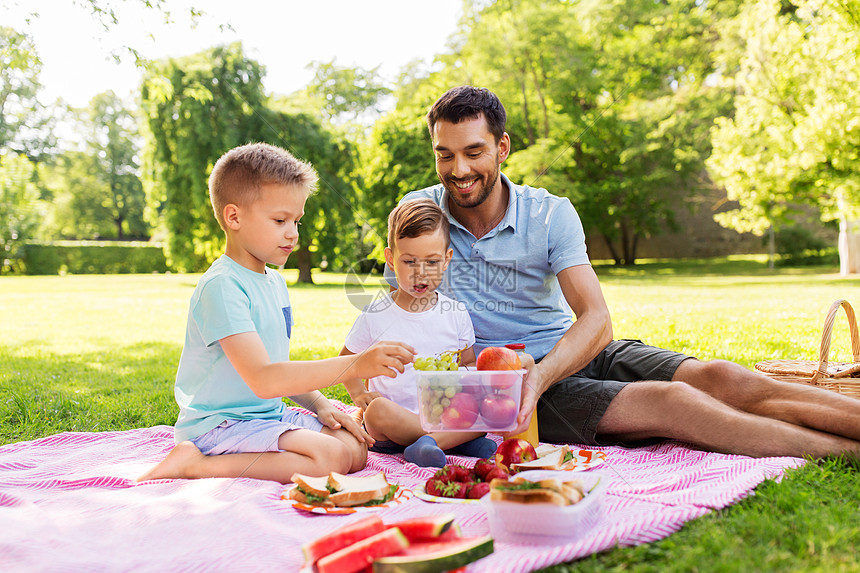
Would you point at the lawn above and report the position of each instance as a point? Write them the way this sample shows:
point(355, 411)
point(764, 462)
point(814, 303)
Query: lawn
point(95, 353)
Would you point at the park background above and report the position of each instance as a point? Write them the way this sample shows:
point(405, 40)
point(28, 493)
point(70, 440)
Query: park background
point(678, 129)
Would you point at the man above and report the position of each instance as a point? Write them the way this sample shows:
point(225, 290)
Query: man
point(520, 266)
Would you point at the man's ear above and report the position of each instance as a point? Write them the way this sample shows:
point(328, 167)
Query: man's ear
point(389, 258)
point(504, 147)
point(231, 216)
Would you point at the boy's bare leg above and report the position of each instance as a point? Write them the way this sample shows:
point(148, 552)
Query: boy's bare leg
point(386, 420)
point(757, 393)
point(678, 411)
point(357, 450)
point(307, 452)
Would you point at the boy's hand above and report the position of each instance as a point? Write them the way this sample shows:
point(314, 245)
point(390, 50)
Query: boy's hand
point(334, 418)
point(365, 398)
point(382, 359)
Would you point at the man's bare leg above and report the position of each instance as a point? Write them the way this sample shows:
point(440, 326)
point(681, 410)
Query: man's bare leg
point(678, 411)
point(756, 393)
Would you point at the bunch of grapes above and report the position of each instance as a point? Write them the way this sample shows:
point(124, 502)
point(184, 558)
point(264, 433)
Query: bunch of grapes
point(443, 361)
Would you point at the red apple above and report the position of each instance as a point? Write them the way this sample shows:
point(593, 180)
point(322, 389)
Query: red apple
point(461, 413)
point(498, 410)
point(498, 358)
point(514, 451)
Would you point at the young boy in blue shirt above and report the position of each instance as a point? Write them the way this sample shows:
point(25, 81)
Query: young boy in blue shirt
point(235, 367)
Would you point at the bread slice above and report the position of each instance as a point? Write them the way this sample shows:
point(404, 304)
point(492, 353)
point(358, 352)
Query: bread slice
point(551, 461)
point(312, 485)
point(528, 496)
point(355, 490)
point(544, 449)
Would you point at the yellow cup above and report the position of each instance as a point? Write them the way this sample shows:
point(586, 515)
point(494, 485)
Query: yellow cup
point(531, 433)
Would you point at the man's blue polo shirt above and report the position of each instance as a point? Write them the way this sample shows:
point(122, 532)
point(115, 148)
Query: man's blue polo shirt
point(507, 278)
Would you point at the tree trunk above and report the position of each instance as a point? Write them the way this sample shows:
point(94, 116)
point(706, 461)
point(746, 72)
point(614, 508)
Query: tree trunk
point(303, 260)
point(612, 250)
point(849, 246)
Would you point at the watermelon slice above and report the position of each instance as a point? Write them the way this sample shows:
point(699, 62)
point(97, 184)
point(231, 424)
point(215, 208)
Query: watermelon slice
point(342, 537)
point(360, 554)
point(435, 557)
point(428, 528)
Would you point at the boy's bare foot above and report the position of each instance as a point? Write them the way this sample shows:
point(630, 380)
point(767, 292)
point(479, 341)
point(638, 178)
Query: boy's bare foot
point(176, 464)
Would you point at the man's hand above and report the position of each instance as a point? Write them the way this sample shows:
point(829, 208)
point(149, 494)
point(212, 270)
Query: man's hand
point(335, 419)
point(364, 398)
point(533, 387)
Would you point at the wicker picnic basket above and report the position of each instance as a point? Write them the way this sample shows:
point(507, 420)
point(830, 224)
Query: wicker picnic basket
point(842, 377)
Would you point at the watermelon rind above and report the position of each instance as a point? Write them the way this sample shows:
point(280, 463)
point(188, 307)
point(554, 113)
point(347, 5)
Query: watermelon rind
point(359, 555)
point(425, 528)
point(440, 557)
point(342, 537)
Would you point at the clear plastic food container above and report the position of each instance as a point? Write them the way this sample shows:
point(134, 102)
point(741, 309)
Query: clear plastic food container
point(546, 523)
point(469, 400)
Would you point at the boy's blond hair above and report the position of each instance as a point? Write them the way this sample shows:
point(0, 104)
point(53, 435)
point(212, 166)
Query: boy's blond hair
point(416, 218)
point(239, 175)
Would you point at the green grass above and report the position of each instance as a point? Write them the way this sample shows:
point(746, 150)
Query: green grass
point(97, 353)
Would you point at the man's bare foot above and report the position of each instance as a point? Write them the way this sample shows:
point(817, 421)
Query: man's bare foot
point(176, 464)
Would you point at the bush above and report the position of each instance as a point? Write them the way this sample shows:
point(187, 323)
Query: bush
point(93, 257)
point(797, 246)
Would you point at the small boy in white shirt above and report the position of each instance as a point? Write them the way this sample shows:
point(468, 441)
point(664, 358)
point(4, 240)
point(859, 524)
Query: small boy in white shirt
point(235, 366)
point(418, 252)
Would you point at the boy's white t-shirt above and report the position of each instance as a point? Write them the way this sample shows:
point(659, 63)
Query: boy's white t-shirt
point(444, 327)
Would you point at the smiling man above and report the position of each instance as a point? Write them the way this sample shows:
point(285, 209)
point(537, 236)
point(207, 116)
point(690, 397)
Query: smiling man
point(521, 268)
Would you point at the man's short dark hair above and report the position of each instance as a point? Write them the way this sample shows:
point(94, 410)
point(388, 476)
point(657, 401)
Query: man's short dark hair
point(467, 102)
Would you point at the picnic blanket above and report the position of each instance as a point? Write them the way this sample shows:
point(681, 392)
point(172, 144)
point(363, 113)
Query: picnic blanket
point(69, 502)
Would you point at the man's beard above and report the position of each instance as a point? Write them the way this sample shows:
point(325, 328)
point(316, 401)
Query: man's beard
point(476, 197)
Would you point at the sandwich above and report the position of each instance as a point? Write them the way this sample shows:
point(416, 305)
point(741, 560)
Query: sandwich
point(311, 490)
point(552, 491)
point(552, 458)
point(338, 490)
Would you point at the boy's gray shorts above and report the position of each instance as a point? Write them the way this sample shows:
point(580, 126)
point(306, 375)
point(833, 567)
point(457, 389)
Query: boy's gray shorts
point(571, 409)
point(240, 436)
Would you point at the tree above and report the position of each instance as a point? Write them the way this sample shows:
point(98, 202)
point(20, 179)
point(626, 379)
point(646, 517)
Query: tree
point(794, 136)
point(607, 102)
point(24, 124)
point(97, 191)
point(19, 207)
point(195, 109)
point(199, 107)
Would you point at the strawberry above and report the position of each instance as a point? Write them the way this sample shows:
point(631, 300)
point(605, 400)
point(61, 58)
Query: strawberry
point(435, 486)
point(461, 474)
point(454, 489)
point(483, 467)
point(496, 472)
point(478, 490)
point(453, 473)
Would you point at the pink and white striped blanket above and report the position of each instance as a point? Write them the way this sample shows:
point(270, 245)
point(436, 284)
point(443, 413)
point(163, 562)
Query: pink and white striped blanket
point(69, 503)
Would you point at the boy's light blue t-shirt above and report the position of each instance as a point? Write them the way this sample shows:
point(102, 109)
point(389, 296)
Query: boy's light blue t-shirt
point(229, 299)
point(507, 278)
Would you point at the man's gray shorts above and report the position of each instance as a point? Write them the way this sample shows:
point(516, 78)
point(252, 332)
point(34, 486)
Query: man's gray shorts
point(571, 409)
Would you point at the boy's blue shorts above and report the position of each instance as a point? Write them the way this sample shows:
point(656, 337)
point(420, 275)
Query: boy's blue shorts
point(239, 436)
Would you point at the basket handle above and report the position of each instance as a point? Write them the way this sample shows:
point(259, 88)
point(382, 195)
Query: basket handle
point(824, 353)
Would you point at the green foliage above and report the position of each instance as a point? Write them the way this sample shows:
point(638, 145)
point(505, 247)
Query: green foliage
point(20, 209)
point(795, 132)
point(195, 108)
point(23, 121)
point(201, 106)
point(96, 191)
point(90, 257)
